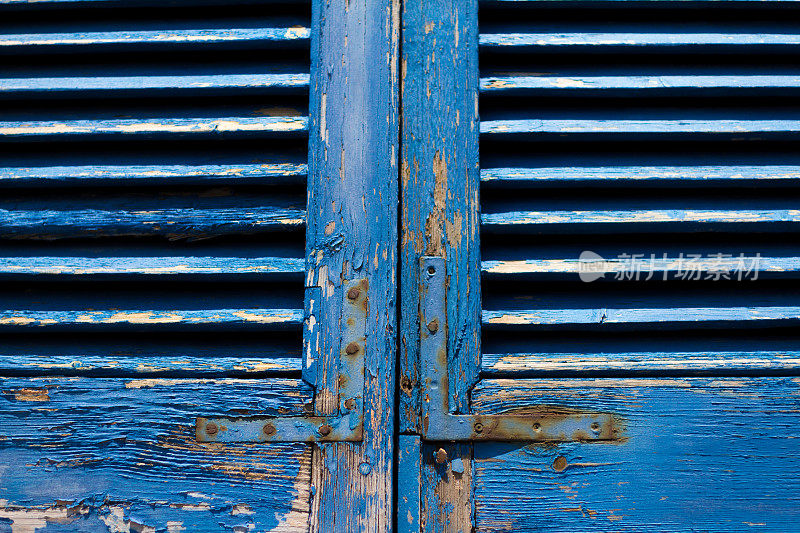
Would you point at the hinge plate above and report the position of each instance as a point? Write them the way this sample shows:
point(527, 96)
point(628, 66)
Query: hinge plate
point(439, 424)
point(345, 426)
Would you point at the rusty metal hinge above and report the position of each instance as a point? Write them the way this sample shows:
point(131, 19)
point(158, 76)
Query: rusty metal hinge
point(438, 423)
point(345, 426)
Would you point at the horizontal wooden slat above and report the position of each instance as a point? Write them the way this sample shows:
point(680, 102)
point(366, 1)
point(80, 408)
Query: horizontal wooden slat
point(93, 454)
point(163, 37)
point(622, 39)
point(665, 219)
point(176, 319)
point(33, 4)
point(640, 317)
point(660, 267)
point(637, 174)
point(683, 84)
point(213, 365)
point(138, 174)
point(17, 87)
point(173, 223)
point(511, 364)
point(634, 127)
point(697, 454)
point(161, 266)
point(160, 127)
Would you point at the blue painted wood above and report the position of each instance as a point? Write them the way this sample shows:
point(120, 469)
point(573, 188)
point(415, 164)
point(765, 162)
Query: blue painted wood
point(622, 39)
point(630, 175)
point(351, 234)
point(150, 266)
point(107, 454)
point(440, 184)
point(258, 353)
point(264, 173)
point(664, 316)
point(175, 223)
point(22, 41)
point(515, 364)
point(699, 454)
point(670, 267)
point(654, 220)
point(649, 84)
point(141, 267)
point(409, 466)
point(210, 365)
point(636, 127)
point(152, 128)
point(149, 84)
point(177, 319)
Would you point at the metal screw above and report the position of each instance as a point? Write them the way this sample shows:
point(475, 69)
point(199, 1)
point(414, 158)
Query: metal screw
point(325, 430)
point(351, 348)
point(431, 270)
point(433, 325)
point(441, 456)
point(350, 403)
point(353, 293)
point(537, 426)
point(269, 429)
point(211, 428)
point(478, 427)
point(595, 427)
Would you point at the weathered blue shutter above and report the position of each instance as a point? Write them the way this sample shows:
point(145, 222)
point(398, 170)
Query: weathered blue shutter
point(153, 209)
point(659, 137)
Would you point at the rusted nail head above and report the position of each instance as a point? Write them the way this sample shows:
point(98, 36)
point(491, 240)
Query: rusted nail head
point(351, 348)
point(478, 427)
point(537, 426)
point(441, 456)
point(211, 428)
point(325, 430)
point(431, 270)
point(433, 325)
point(353, 293)
point(269, 429)
point(350, 403)
point(595, 426)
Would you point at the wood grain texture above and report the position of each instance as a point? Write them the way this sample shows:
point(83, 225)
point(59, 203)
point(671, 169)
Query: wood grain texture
point(631, 40)
point(699, 454)
point(409, 470)
point(440, 184)
point(81, 175)
point(117, 455)
point(520, 364)
point(352, 234)
point(447, 500)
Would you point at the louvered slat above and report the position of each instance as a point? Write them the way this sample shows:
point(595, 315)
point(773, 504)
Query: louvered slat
point(154, 164)
point(658, 137)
